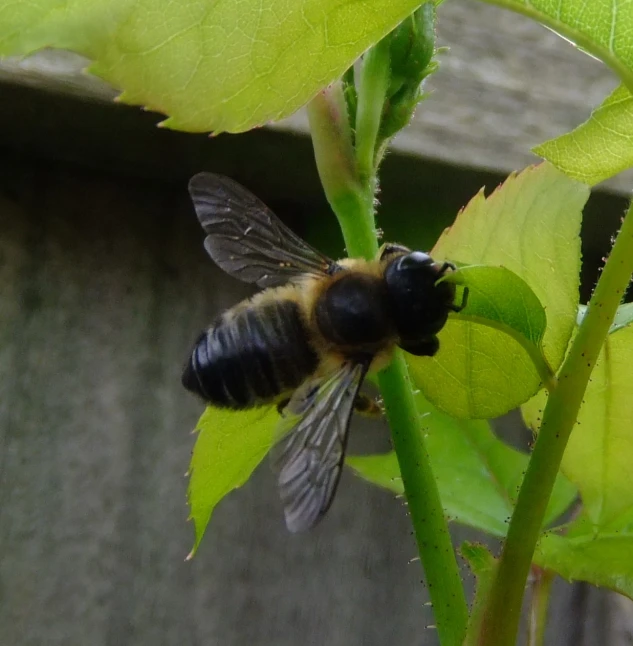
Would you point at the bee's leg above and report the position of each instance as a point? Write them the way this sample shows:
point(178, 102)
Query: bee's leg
point(445, 266)
point(367, 406)
point(462, 305)
point(421, 348)
point(391, 249)
point(282, 404)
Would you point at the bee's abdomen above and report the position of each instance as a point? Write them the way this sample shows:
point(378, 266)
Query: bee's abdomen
point(250, 358)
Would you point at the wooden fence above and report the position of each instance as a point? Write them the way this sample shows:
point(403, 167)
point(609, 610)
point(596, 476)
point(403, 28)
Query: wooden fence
point(103, 286)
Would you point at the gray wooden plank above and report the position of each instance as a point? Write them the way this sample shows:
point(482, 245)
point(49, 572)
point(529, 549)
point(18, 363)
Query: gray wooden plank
point(506, 85)
point(103, 286)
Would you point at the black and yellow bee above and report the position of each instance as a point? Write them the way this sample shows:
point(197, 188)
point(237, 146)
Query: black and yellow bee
point(307, 341)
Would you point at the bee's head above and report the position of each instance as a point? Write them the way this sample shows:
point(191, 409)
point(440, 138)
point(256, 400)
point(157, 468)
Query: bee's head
point(420, 305)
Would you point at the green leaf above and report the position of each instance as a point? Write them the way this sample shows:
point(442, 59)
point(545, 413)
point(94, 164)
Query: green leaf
point(412, 45)
point(480, 560)
point(498, 297)
point(501, 300)
point(530, 225)
point(211, 66)
point(599, 454)
point(483, 565)
point(229, 446)
point(601, 27)
point(599, 148)
point(478, 475)
point(603, 559)
point(478, 373)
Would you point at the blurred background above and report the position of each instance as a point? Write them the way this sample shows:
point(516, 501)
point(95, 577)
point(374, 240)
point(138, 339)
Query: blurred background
point(104, 286)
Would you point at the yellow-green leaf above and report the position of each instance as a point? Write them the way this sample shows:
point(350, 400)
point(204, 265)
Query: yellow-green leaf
point(478, 373)
point(599, 148)
point(230, 444)
point(211, 65)
point(529, 225)
point(602, 559)
point(483, 565)
point(478, 476)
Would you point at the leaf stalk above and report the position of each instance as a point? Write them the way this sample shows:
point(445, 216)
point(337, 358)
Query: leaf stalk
point(425, 507)
point(372, 90)
point(542, 581)
point(354, 209)
point(501, 618)
point(336, 164)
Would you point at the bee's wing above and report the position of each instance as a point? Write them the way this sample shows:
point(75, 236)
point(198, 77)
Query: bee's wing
point(308, 458)
point(246, 239)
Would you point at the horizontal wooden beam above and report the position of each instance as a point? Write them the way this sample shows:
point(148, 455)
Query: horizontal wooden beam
point(506, 85)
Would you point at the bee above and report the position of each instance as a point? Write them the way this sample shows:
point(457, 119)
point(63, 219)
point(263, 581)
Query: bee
point(307, 341)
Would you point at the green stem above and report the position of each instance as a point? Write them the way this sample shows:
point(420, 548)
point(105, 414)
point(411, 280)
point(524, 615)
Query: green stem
point(336, 163)
point(501, 618)
point(351, 99)
point(352, 201)
point(424, 504)
point(372, 89)
point(539, 605)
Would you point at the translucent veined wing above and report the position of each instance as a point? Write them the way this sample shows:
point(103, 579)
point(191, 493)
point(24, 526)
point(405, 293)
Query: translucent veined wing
point(246, 239)
point(308, 457)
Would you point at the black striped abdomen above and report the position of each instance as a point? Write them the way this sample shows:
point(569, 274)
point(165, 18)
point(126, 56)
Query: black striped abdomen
point(251, 357)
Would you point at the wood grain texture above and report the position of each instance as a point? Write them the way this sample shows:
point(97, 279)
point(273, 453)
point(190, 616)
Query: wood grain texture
point(103, 286)
point(506, 85)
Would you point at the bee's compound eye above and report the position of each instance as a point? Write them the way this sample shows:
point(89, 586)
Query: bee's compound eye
point(415, 259)
point(419, 307)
